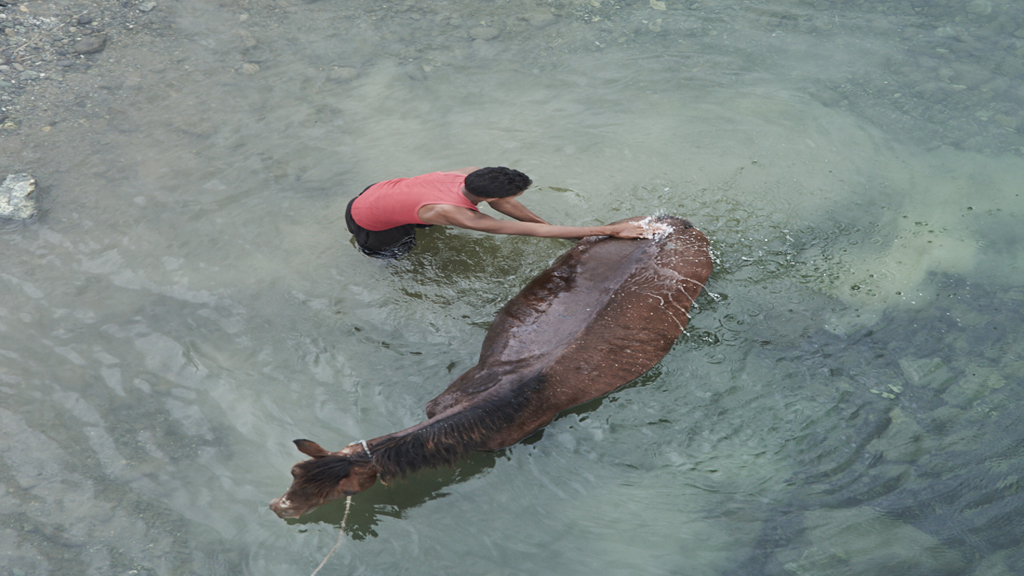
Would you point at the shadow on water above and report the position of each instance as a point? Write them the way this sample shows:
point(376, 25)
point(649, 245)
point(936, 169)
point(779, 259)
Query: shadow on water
point(381, 501)
point(925, 442)
point(464, 277)
point(371, 507)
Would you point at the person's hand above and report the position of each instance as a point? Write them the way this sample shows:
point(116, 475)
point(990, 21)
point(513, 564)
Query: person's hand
point(627, 230)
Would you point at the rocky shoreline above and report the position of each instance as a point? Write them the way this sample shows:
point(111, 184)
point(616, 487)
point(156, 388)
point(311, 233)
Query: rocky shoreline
point(949, 74)
point(42, 44)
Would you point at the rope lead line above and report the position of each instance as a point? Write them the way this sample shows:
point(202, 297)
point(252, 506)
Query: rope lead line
point(365, 448)
point(341, 532)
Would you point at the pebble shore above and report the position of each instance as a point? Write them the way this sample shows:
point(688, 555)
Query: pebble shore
point(43, 45)
point(948, 73)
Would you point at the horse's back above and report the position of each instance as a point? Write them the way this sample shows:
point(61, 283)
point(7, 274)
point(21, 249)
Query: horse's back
point(639, 324)
point(603, 314)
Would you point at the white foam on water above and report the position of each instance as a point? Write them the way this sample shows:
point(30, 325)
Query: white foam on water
point(653, 229)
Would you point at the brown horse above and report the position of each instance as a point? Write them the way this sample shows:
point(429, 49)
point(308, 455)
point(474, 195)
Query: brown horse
point(604, 313)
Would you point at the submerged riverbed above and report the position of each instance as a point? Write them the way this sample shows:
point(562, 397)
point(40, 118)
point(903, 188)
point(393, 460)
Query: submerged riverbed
point(847, 398)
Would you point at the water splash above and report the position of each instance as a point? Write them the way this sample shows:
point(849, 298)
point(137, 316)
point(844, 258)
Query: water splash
point(654, 229)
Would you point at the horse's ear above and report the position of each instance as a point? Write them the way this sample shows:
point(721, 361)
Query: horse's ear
point(310, 448)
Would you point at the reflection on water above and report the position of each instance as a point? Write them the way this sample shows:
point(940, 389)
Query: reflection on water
point(846, 399)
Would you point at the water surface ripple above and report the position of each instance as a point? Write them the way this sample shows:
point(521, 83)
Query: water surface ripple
point(847, 398)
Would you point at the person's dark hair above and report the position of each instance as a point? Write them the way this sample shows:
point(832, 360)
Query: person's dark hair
point(496, 182)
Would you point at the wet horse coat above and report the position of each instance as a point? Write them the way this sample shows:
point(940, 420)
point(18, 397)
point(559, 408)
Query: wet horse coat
point(603, 314)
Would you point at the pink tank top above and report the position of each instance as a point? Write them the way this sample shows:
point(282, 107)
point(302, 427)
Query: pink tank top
point(397, 202)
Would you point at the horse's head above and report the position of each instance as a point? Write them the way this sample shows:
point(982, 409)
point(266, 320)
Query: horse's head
point(327, 477)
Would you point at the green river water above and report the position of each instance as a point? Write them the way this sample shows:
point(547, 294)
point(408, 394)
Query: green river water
point(847, 399)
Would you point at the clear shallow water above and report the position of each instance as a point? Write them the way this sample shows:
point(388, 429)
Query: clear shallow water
point(845, 401)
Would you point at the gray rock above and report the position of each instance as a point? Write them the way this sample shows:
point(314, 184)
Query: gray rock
point(979, 7)
point(540, 18)
point(903, 441)
point(826, 96)
point(256, 54)
point(1008, 122)
point(416, 73)
point(342, 73)
point(1012, 67)
point(147, 6)
point(969, 75)
point(976, 386)
point(862, 541)
point(927, 373)
point(15, 200)
point(90, 44)
point(483, 33)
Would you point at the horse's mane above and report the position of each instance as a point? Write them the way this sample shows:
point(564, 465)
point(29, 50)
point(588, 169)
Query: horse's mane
point(321, 475)
point(447, 439)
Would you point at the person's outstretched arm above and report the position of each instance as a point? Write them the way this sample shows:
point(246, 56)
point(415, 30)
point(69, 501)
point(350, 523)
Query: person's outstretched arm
point(447, 215)
point(514, 209)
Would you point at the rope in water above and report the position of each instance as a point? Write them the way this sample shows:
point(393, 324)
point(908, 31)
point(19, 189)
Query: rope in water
point(341, 532)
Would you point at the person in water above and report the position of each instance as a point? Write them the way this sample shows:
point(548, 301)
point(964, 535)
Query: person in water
point(384, 217)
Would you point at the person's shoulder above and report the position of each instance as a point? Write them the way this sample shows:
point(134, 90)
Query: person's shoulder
point(441, 176)
point(450, 208)
point(448, 215)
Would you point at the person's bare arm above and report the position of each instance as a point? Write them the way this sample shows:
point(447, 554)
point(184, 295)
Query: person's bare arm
point(514, 209)
point(448, 215)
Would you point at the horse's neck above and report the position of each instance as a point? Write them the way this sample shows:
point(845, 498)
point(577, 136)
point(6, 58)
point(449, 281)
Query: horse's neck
point(450, 435)
point(428, 444)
